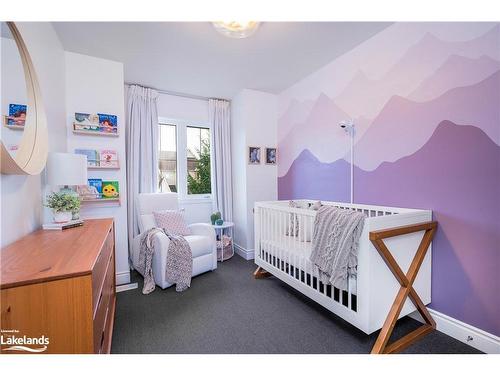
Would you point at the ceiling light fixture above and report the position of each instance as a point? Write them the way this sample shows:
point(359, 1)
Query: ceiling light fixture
point(236, 29)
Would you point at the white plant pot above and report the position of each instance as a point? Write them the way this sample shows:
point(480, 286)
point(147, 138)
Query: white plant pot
point(62, 216)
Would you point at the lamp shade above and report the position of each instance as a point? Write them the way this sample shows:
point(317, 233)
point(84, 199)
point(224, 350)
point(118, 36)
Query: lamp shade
point(66, 169)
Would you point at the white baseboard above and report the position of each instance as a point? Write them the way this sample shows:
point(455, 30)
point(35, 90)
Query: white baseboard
point(244, 253)
point(475, 337)
point(122, 277)
point(125, 287)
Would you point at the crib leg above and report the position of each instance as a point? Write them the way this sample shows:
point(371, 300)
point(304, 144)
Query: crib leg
point(261, 273)
point(406, 290)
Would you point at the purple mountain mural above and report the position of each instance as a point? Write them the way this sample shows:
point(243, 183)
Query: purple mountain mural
point(295, 113)
point(320, 129)
point(457, 71)
point(403, 126)
point(320, 133)
point(308, 178)
point(445, 175)
point(430, 53)
point(366, 97)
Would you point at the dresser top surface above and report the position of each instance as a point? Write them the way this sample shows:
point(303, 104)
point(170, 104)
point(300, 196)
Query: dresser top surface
point(46, 255)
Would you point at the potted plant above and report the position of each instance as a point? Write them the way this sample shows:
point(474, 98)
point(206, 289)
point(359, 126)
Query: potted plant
point(214, 217)
point(63, 206)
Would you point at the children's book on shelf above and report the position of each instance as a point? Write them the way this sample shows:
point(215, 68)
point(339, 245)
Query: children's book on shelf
point(17, 114)
point(108, 158)
point(86, 121)
point(92, 156)
point(87, 192)
point(108, 123)
point(110, 189)
point(97, 184)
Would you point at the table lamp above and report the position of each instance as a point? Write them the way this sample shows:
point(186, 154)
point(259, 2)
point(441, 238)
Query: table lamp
point(66, 170)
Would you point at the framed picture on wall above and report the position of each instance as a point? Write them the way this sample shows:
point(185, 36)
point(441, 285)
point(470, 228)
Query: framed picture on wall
point(253, 155)
point(271, 156)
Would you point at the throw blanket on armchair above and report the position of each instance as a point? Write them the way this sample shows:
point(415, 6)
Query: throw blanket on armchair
point(335, 244)
point(179, 261)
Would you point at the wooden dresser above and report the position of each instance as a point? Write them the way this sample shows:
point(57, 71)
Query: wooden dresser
point(60, 285)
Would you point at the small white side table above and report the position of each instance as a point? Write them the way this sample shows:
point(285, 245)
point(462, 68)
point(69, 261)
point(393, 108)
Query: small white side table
point(227, 225)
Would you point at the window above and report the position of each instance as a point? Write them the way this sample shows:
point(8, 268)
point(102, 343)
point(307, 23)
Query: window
point(167, 159)
point(198, 160)
point(184, 159)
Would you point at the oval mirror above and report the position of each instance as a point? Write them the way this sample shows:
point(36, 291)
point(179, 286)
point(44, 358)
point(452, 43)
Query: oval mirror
point(24, 138)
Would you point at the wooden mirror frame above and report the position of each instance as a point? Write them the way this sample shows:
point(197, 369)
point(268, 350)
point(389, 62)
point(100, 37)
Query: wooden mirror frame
point(31, 156)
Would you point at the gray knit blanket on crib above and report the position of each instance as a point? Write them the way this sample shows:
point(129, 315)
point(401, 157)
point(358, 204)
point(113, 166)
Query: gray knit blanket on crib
point(335, 244)
point(179, 261)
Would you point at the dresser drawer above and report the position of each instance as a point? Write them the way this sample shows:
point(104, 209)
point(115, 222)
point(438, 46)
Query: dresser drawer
point(108, 327)
point(54, 282)
point(100, 267)
point(103, 305)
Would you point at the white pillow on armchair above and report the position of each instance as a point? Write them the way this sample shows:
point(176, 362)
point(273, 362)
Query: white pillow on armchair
point(172, 221)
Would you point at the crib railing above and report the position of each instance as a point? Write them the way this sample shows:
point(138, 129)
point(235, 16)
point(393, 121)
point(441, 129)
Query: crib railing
point(286, 227)
point(283, 241)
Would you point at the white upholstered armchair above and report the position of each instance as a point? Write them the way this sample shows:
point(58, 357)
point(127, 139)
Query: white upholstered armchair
point(201, 240)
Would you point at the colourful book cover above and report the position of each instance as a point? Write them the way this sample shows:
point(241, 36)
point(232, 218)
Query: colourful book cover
point(86, 121)
point(110, 189)
point(97, 183)
point(17, 114)
point(92, 156)
point(108, 123)
point(109, 158)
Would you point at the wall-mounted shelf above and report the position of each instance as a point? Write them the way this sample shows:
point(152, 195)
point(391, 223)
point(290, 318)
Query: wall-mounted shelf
point(95, 132)
point(96, 167)
point(14, 127)
point(115, 201)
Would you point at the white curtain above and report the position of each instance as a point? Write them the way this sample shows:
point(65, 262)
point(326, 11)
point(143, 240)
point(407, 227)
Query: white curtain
point(142, 149)
point(222, 192)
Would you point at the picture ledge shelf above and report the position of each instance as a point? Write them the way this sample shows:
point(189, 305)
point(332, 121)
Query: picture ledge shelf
point(102, 167)
point(102, 200)
point(93, 132)
point(14, 127)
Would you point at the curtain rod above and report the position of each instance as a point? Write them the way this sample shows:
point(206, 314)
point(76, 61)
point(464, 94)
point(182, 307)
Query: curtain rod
point(174, 93)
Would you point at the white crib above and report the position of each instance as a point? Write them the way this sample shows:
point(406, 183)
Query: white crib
point(369, 296)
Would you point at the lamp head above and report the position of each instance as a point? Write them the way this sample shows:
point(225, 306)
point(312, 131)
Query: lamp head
point(64, 169)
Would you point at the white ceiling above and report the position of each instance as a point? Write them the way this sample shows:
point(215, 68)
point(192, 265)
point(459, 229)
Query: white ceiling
point(192, 58)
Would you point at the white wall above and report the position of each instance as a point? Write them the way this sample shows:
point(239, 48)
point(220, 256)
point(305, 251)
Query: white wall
point(254, 123)
point(21, 196)
point(96, 85)
point(182, 108)
point(239, 169)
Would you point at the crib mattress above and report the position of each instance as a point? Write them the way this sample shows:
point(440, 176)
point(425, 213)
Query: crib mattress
point(297, 253)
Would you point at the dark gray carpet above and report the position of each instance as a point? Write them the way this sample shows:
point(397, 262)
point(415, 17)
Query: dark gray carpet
point(228, 311)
